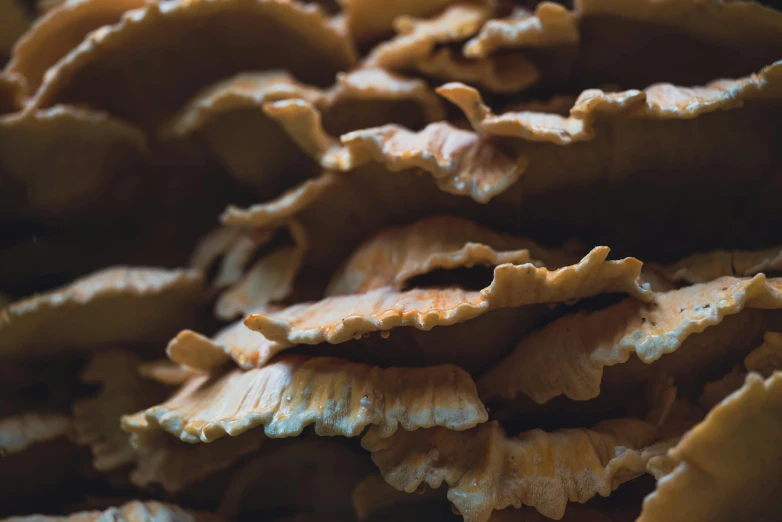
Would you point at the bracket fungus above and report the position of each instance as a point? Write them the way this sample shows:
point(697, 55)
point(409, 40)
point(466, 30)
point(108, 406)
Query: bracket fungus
point(114, 306)
point(145, 67)
point(309, 260)
point(338, 397)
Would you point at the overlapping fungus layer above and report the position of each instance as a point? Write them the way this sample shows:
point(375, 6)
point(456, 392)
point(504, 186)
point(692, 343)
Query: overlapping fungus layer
point(365, 260)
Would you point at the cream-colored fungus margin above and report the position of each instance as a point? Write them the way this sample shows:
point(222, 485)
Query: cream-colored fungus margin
point(338, 319)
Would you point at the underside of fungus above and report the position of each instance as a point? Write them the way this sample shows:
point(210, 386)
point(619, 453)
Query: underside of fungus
point(738, 435)
point(486, 470)
point(117, 305)
point(570, 354)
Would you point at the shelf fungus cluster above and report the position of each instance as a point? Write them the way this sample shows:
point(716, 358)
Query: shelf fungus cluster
point(390, 260)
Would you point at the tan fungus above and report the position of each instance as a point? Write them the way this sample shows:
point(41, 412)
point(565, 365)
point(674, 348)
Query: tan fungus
point(228, 118)
point(765, 360)
point(550, 25)
point(626, 152)
point(358, 203)
point(726, 23)
point(660, 101)
point(338, 319)
point(704, 267)
point(296, 120)
point(417, 37)
point(370, 20)
point(313, 475)
point(123, 391)
point(20, 432)
point(383, 96)
point(715, 392)
point(338, 397)
point(660, 398)
point(14, 21)
point(360, 99)
point(303, 124)
point(65, 160)
point(11, 92)
point(568, 356)
point(134, 511)
point(278, 211)
point(243, 91)
point(506, 74)
point(528, 125)
point(556, 104)
point(114, 306)
point(228, 251)
point(485, 470)
point(175, 465)
point(171, 41)
point(166, 372)
point(269, 280)
point(472, 345)
point(727, 465)
point(58, 31)
point(419, 47)
point(641, 42)
point(217, 245)
point(631, 153)
point(394, 256)
point(461, 162)
point(246, 347)
point(374, 152)
point(44, 6)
